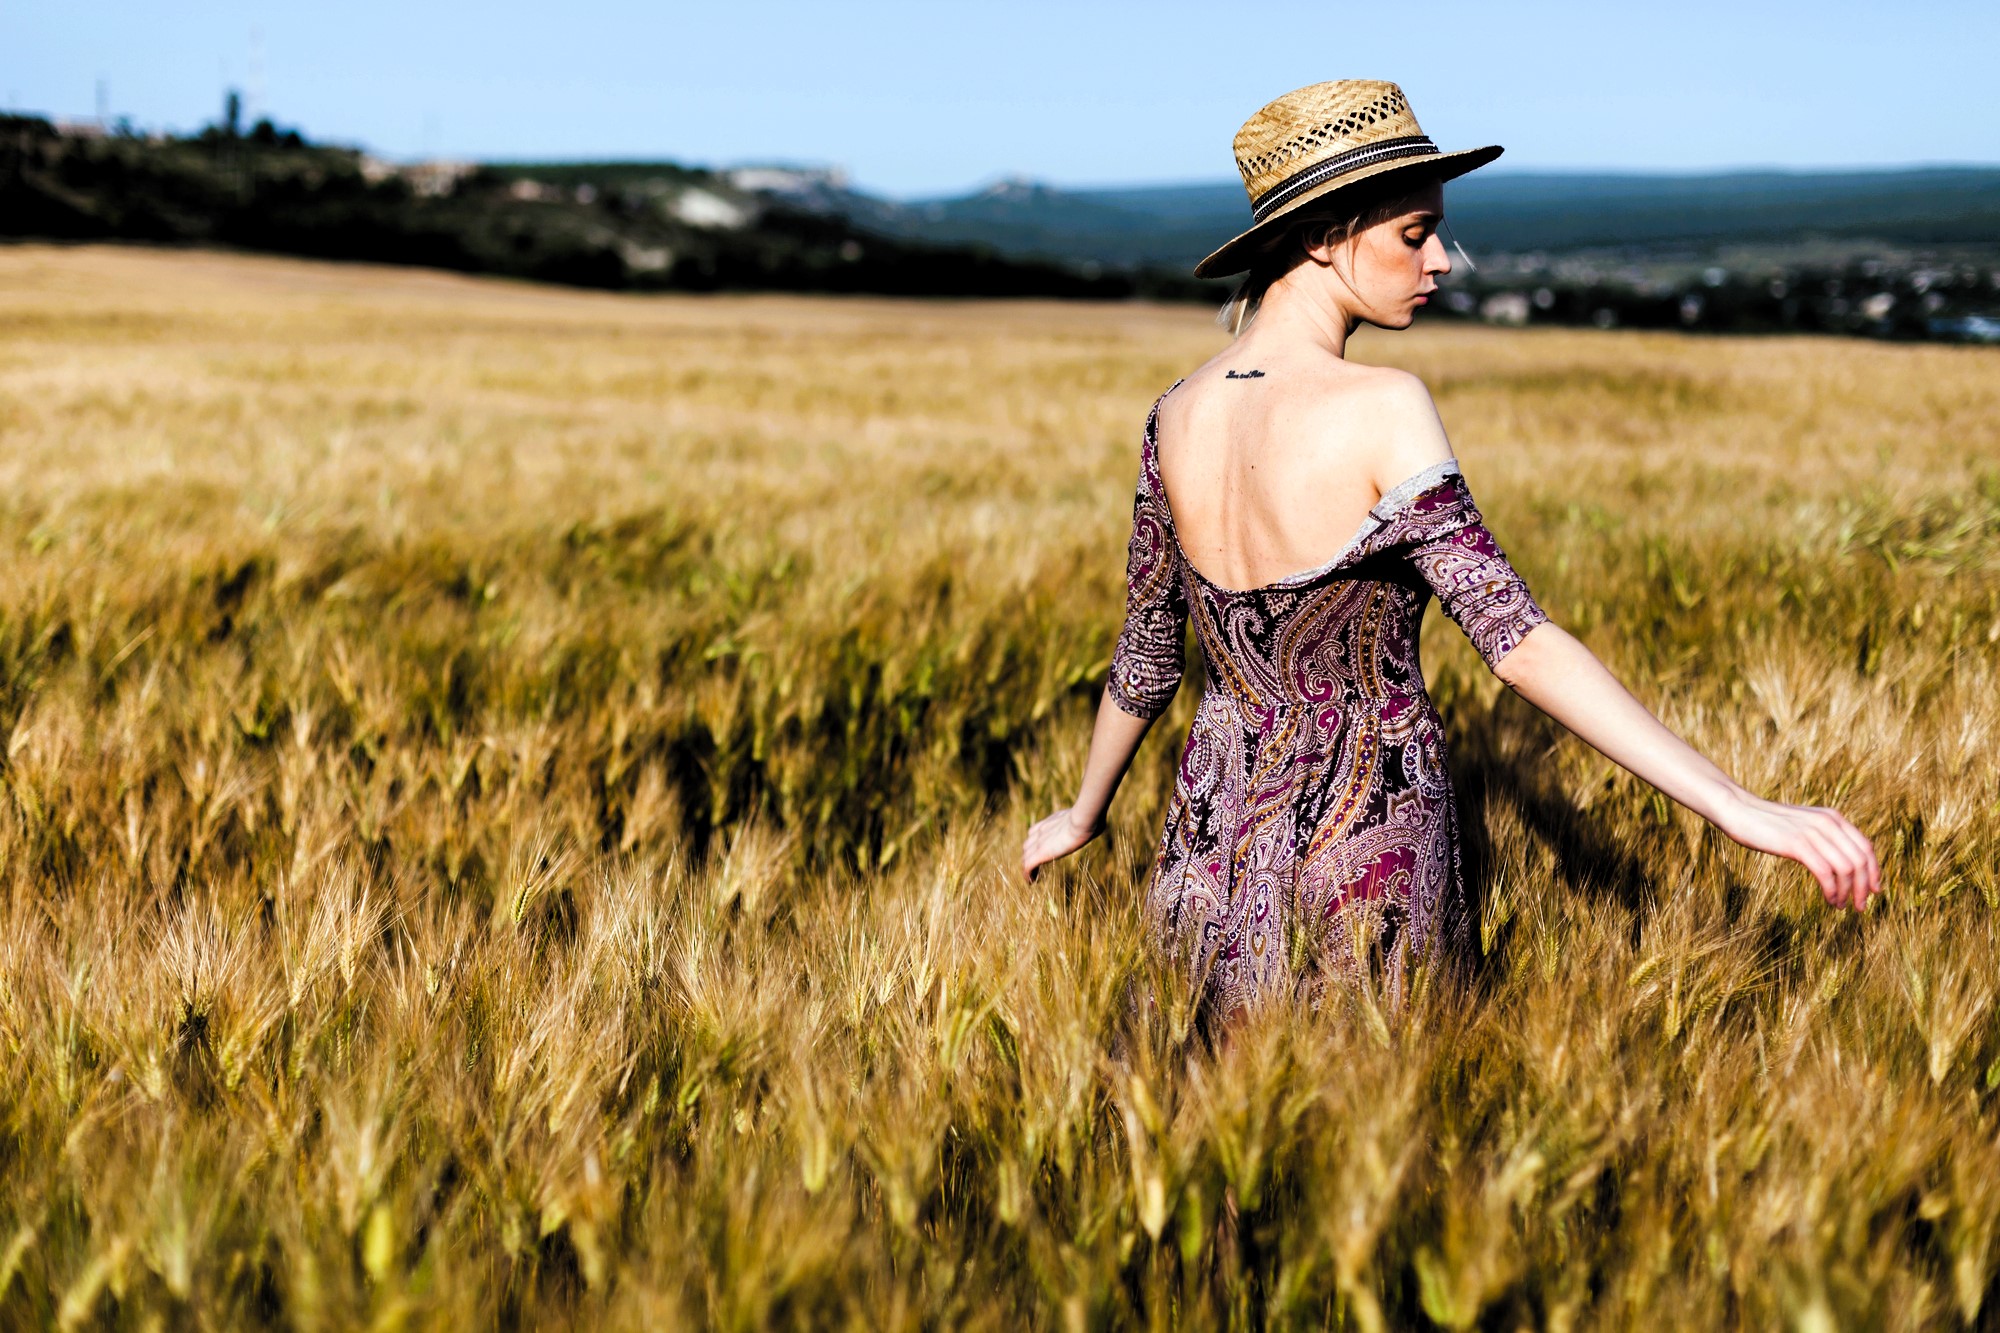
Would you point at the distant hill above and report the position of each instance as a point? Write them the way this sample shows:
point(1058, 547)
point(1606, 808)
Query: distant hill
point(1895, 254)
point(633, 226)
point(1892, 254)
point(1174, 225)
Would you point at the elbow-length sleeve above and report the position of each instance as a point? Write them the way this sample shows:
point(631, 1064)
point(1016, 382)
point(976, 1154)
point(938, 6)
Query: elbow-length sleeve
point(1457, 555)
point(1148, 659)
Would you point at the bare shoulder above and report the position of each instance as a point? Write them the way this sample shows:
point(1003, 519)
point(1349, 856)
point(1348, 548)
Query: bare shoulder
point(1386, 420)
point(1379, 394)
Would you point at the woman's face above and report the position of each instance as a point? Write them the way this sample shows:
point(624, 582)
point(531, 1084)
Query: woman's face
point(1390, 270)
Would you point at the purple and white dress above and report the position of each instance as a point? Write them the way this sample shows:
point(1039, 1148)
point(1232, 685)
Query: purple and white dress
point(1313, 797)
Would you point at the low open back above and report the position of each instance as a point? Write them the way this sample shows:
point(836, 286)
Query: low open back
point(1313, 810)
point(1378, 514)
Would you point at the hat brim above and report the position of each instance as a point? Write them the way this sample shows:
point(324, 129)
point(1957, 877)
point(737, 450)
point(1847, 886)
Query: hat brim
point(1240, 252)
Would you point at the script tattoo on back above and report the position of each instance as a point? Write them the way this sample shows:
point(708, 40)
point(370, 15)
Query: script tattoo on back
point(1243, 375)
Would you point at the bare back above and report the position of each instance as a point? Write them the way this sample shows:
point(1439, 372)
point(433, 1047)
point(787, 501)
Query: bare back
point(1271, 473)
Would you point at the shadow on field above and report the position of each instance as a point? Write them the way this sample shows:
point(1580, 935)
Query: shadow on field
point(1491, 759)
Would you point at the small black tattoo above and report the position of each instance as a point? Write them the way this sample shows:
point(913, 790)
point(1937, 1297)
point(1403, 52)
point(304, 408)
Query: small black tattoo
point(1244, 375)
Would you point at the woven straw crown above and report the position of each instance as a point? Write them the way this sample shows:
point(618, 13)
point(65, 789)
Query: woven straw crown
point(1327, 137)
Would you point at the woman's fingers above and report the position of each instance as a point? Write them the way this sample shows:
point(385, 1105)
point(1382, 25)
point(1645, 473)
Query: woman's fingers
point(1856, 853)
point(1870, 864)
point(1846, 866)
point(1814, 858)
point(1048, 840)
point(1839, 855)
point(1033, 854)
point(1837, 863)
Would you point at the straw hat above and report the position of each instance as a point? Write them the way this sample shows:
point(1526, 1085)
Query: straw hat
point(1322, 139)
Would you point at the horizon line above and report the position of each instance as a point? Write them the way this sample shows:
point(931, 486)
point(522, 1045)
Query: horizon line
point(1017, 177)
point(1000, 178)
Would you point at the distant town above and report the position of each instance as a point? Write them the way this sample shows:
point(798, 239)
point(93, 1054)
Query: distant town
point(1886, 295)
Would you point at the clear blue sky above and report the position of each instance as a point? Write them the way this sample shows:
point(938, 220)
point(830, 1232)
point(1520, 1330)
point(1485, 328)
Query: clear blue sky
point(916, 98)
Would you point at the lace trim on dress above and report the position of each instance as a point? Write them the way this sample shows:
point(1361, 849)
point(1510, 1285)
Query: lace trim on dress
point(1410, 488)
point(1385, 509)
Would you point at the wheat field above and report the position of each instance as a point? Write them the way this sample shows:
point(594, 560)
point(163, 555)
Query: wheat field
point(513, 798)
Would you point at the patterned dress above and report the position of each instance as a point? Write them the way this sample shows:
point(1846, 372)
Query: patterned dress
point(1312, 825)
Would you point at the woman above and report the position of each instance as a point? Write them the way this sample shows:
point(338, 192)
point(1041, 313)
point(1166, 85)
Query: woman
point(1312, 822)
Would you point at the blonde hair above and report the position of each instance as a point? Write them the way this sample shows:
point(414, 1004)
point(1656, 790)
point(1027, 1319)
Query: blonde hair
point(1285, 249)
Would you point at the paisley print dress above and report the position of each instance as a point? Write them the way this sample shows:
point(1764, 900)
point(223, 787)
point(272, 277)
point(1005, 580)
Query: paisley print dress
point(1312, 828)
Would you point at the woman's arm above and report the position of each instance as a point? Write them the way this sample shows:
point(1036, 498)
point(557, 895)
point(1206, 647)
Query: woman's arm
point(1147, 663)
point(1112, 744)
point(1555, 672)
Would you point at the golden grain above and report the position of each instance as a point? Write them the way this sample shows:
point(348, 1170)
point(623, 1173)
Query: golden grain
point(511, 797)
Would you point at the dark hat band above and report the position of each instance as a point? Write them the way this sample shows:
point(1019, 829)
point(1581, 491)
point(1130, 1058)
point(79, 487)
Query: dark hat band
point(1416, 145)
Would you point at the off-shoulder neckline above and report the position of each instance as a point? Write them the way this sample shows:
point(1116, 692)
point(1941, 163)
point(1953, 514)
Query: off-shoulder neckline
point(1384, 509)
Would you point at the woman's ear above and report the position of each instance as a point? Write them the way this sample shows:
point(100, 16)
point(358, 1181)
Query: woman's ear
point(1322, 245)
point(1336, 252)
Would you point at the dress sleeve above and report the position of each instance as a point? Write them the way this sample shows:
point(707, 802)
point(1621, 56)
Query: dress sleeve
point(1147, 662)
point(1457, 555)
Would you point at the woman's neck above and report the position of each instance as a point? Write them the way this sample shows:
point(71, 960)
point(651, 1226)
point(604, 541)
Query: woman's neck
point(1292, 313)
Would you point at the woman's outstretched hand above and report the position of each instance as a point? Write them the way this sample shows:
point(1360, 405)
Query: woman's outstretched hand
point(1054, 838)
point(1818, 837)
point(1555, 672)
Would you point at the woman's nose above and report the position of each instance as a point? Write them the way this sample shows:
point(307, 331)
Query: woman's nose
point(1436, 260)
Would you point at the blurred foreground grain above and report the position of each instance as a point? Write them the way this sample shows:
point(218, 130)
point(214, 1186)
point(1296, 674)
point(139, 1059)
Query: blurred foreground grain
point(512, 802)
